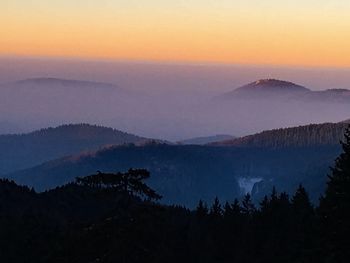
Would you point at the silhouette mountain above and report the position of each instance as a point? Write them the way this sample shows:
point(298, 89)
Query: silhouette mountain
point(26, 150)
point(266, 89)
point(302, 136)
point(273, 85)
point(183, 174)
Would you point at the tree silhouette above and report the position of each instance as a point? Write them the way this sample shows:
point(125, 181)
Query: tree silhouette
point(130, 182)
point(248, 207)
point(202, 209)
point(216, 210)
point(301, 203)
point(335, 205)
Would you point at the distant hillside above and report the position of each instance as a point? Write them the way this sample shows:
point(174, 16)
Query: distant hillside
point(270, 87)
point(265, 89)
point(38, 102)
point(273, 85)
point(183, 174)
point(26, 150)
point(206, 140)
point(302, 136)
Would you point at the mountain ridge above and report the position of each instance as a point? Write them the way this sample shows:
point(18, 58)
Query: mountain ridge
point(267, 88)
point(20, 151)
point(183, 173)
point(300, 136)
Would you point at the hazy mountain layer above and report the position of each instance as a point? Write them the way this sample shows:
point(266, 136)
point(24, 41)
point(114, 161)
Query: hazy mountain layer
point(164, 108)
point(186, 173)
point(308, 135)
point(26, 150)
point(266, 89)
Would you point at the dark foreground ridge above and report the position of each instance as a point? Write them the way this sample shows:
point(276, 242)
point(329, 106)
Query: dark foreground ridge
point(109, 217)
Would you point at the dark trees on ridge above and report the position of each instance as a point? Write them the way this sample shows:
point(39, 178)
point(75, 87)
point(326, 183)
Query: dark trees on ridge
point(84, 222)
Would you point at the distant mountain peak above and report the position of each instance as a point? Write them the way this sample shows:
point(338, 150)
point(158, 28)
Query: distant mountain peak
point(270, 87)
point(273, 84)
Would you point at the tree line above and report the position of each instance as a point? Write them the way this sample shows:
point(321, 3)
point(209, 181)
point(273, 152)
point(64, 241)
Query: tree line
point(114, 217)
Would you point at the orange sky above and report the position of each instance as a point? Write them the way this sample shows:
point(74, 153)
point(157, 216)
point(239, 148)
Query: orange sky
point(250, 32)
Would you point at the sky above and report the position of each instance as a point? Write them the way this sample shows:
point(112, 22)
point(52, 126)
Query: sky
point(268, 32)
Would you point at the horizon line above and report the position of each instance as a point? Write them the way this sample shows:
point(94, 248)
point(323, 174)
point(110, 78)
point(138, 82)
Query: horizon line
point(169, 62)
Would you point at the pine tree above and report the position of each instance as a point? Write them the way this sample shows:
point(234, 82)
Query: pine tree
point(227, 210)
point(265, 205)
point(301, 203)
point(248, 207)
point(236, 208)
point(202, 209)
point(335, 206)
point(216, 210)
point(303, 228)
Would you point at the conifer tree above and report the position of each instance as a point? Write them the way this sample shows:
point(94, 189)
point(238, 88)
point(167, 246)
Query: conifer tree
point(301, 203)
point(216, 209)
point(202, 209)
point(236, 208)
point(335, 205)
point(264, 205)
point(248, 207)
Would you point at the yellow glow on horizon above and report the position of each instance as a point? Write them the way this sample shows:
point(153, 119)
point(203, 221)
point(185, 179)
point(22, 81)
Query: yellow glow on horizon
point(225, 32)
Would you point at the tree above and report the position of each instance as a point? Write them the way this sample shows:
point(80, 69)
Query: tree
point(301, 203)
point(130, 183)
point(248, 207)
point(265, 205)
point(303, 226)
point(202, 209)
point(216, 210)
point(335, 205)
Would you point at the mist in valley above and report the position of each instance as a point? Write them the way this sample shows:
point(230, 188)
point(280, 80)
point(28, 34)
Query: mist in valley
point(165, 101)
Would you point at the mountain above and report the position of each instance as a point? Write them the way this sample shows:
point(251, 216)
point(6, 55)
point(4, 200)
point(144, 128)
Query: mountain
point(270, 104)
point(328, 96)
point(183, 174)
point(42, 102)
point(206, 140)
point(267, 87)
point(26, 150)
point(265, 104)
point(302, 136)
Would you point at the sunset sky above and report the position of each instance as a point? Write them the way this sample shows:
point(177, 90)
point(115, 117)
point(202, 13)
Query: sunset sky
point(288, 32)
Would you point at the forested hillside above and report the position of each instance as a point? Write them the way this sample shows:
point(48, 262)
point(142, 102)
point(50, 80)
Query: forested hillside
point(26, 150)
point(113, 217)
point(302, 136)
point(184, 174)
